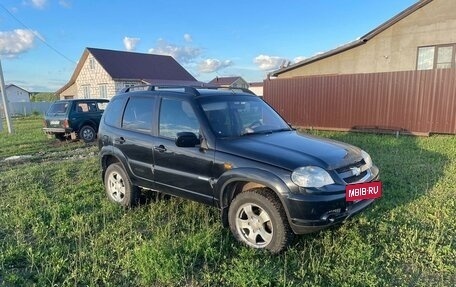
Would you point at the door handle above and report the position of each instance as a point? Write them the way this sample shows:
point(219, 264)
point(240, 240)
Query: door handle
point(160, 148)
point(120, 140)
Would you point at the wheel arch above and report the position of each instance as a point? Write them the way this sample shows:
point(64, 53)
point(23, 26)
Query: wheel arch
point(90, 123)
point(241, 180)
point(109, 156)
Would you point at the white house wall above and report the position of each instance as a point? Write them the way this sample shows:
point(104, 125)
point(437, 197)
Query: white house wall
point(94, 77)
point(15, 94)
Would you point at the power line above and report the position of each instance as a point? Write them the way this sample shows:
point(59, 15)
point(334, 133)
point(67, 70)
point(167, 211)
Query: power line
point(37, 35)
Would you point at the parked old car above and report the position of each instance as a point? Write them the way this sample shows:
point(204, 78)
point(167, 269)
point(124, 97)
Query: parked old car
point(75, 118)
point(229, 149)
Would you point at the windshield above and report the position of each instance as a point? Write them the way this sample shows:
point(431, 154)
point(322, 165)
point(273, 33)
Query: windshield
point(235, 116)
point(58, 108)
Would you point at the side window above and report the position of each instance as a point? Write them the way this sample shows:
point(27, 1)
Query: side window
point(177, 116)
point(101, 106)
point(138, 114)
point(113, 112)
point(82, 107)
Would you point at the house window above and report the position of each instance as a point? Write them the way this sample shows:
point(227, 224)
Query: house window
point(92, 63)
point(86, 91)
point(436, 57)
point(103, 91)
point(129, 84)
point(444, 57)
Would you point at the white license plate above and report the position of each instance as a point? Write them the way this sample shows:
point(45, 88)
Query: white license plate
point(55, 122)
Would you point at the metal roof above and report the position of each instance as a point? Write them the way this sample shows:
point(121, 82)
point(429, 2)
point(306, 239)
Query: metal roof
point(128, 65)
point(133, 66)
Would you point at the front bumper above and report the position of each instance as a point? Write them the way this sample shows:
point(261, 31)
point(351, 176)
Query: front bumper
point(313, 212)
point(329, 218)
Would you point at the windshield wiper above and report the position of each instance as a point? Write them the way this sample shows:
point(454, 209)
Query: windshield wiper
point(266, 132)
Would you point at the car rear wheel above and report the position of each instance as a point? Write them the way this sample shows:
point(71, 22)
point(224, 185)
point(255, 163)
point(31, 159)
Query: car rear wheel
point(87, 134)
point(257, 219)
point(119, 188)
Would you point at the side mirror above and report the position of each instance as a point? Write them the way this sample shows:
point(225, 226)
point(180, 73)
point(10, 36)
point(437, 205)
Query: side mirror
point(186, 139)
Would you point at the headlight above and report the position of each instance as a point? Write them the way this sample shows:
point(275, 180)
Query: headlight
point(311, 176)
point(367, 159)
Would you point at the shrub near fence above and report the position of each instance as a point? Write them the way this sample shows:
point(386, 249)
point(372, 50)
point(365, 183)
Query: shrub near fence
point(26, 108)
point(413, 101)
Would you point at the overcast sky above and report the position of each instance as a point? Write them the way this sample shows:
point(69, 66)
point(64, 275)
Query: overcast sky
point(42, 40)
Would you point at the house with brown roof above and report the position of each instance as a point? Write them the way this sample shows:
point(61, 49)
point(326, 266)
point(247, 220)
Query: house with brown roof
point(230, 82)
point(422, 37)
point(102, 73)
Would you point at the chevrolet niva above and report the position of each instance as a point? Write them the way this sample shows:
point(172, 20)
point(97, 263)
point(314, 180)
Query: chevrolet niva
point(228, 148)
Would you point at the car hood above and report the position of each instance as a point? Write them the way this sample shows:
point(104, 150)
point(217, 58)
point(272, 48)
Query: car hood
point(290, 150)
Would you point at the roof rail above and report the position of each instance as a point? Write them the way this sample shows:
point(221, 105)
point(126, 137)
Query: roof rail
point(187, 89)
point(234, 89)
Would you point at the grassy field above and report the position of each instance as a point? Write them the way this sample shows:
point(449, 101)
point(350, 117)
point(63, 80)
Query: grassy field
point(58, 229)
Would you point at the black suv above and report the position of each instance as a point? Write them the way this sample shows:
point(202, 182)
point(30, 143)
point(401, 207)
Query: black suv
point(74, 119)
point(229, 149)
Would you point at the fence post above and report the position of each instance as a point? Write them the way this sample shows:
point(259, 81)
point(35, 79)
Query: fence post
point(5, 100)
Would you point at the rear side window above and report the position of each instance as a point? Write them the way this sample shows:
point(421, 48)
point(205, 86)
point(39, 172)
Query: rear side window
point(83, 107)
point(101, 106)
point(113, 112)
point(138, 114)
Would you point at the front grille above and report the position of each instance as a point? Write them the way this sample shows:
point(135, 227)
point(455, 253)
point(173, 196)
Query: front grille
point(347, 168)
point(347, 175)
point(355, 178)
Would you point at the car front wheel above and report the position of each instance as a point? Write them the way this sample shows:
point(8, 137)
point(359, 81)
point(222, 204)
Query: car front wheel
point(119, 188)
point(257, 219)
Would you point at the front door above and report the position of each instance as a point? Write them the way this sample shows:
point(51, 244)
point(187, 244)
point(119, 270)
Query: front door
point(183, 171)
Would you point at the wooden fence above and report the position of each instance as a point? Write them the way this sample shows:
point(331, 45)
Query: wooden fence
point(420, 102)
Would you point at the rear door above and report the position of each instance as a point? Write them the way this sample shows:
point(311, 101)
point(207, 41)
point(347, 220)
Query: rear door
point(183, 171)
point(84, 112)
point(136, 141)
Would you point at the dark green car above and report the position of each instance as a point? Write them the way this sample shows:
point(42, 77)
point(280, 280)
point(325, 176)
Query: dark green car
point(73, 119)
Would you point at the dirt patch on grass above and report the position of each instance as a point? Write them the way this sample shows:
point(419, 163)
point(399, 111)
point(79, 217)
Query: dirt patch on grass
point(77, 153)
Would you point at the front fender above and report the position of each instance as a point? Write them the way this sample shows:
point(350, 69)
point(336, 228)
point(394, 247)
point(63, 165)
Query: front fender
point(263, 177)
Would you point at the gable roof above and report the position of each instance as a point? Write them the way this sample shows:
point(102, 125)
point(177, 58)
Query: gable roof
point(224, 80)
point(361, 41)
point(132, 66)
point(129, 65)
point(13, 85)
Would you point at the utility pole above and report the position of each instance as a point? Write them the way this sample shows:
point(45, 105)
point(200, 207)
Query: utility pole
point(4, 102)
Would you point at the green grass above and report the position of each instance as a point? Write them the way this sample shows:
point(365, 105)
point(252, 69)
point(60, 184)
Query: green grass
point(58, 229)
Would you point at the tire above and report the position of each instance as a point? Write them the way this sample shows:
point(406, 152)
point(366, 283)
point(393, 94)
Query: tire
point(87, 134)
point(118, 187)
point(257, 219)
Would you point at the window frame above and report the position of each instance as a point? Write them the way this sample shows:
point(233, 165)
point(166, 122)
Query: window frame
point(86, 91)
point(435, 57)
point(103, 90)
